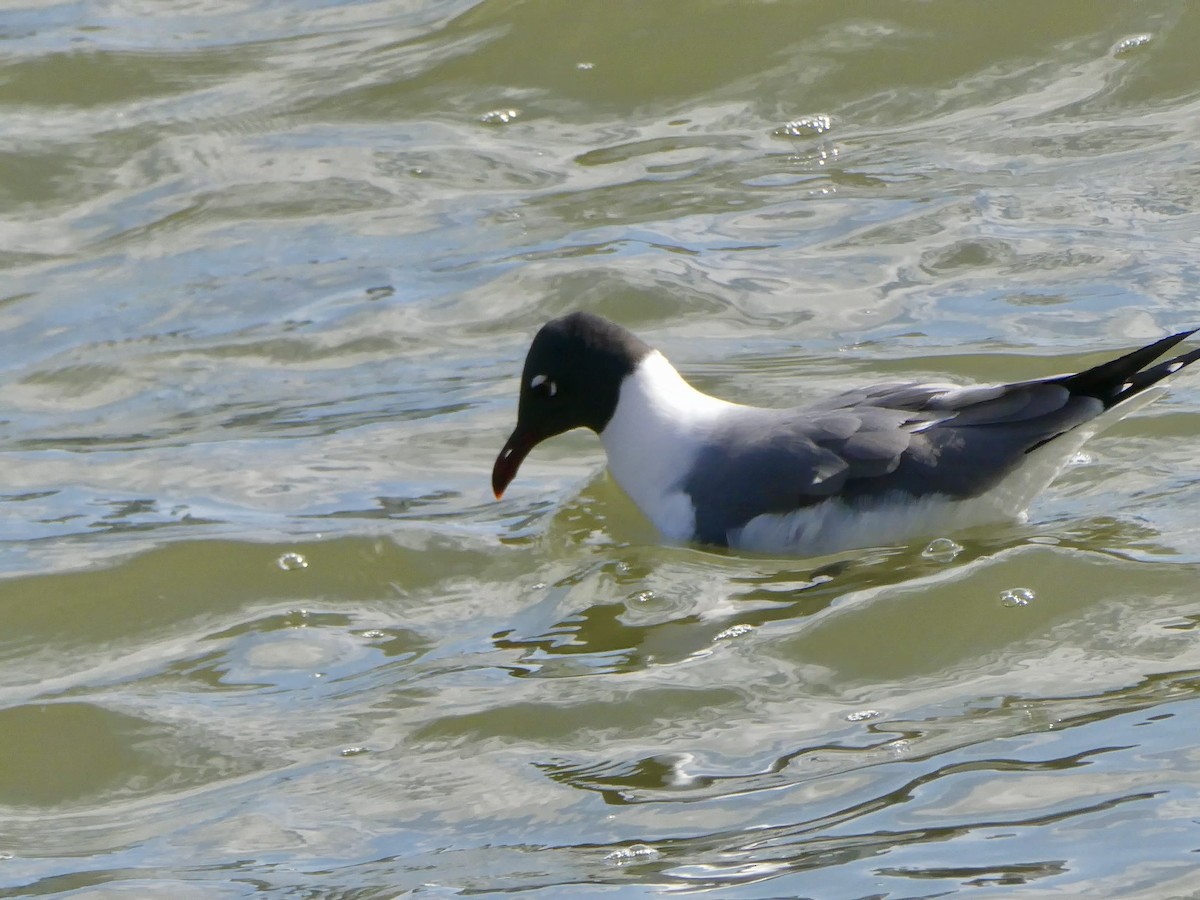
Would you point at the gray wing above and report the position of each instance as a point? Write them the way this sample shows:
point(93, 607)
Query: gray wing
point(913, 439)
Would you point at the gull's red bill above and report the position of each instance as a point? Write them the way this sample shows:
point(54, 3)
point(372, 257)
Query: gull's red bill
point(505, 470)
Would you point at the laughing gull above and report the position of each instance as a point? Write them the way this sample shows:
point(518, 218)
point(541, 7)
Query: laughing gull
point(871, 466)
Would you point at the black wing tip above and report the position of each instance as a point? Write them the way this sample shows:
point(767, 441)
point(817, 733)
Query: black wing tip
point(1121, 378)
point(1165, 344)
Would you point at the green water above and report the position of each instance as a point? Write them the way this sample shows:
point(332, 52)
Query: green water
point(269, 273)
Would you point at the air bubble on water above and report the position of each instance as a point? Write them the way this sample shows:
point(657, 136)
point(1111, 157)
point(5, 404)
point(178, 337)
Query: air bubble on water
point(1130, 44)
point(373, 633)
point(633, 853)
point(899, 747)
point(585, 66)
point(863, 715)
point(734, 631)
point(1014, 597)
point(942, 550)
point(290, 562)
point(642, 597)
point(355, 751)
point(1080, 458)
point(499, 116)
point(805, 126)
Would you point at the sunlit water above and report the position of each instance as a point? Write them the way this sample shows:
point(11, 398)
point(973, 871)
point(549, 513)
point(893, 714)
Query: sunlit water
point(269, 274)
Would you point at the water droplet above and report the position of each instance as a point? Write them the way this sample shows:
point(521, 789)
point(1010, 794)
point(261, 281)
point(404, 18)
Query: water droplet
point(289, 562)
point(633, 853)
point(863, 715)
point(805, 126)
point(1130, 44)
point(1016, 597)
point(355, 751)
point(499, 116)
point(733, 631)
point(942, 550)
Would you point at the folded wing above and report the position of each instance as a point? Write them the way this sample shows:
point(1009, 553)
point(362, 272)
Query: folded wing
point(905, 439)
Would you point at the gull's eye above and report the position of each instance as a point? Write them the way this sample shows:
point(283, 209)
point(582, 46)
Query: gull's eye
point(543, 385)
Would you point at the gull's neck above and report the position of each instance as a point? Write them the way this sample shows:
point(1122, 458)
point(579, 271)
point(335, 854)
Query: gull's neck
point(658, 427)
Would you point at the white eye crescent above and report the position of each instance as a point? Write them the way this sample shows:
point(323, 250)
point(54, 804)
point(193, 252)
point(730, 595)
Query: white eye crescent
point(538, 380)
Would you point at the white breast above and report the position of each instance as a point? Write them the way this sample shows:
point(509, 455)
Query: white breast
point(652, 440)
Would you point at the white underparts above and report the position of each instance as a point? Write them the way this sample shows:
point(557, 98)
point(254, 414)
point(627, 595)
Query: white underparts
point(833, 525)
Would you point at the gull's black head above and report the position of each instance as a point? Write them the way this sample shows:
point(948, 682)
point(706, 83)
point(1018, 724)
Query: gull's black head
point(572, 379)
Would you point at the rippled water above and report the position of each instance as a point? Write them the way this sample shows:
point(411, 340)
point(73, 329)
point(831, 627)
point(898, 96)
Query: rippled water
point(269, 274)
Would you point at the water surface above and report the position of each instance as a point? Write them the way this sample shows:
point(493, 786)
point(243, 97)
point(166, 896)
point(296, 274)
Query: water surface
point(269, 275)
